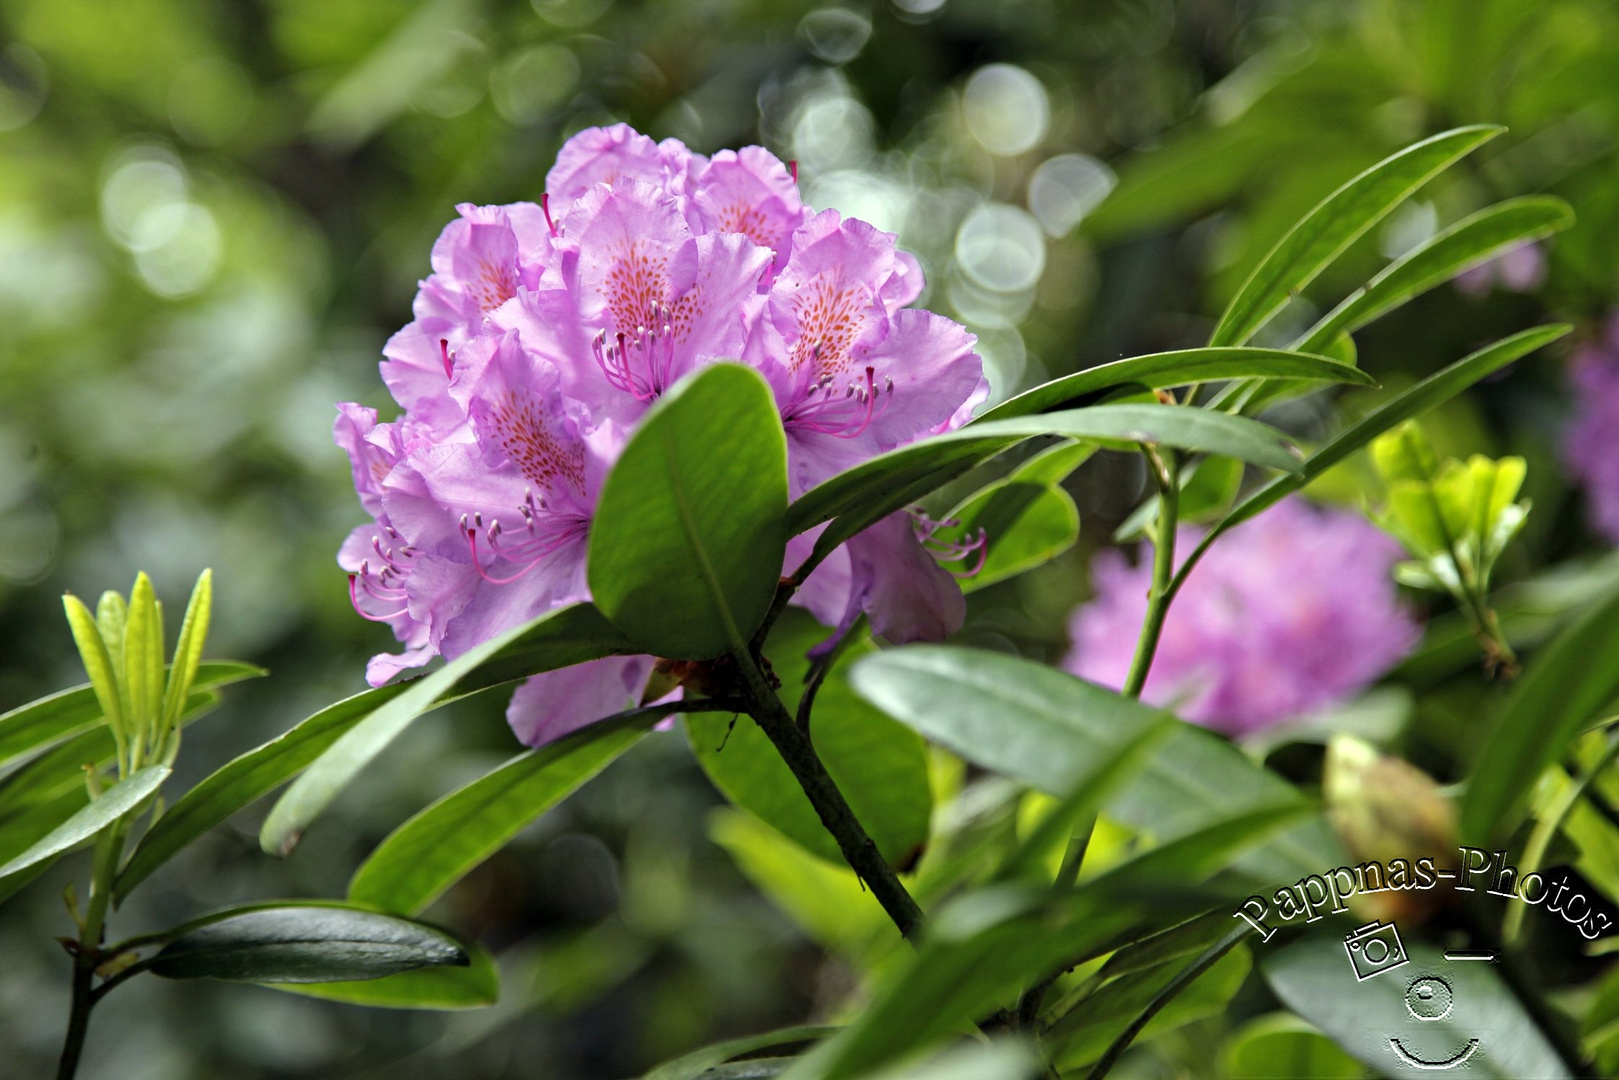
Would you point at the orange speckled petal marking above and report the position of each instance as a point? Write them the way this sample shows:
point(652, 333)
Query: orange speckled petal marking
point(525, 434)
point(829, 323)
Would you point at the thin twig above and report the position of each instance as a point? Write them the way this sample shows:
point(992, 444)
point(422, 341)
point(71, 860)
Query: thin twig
point(821, 668)
point(1164, 470)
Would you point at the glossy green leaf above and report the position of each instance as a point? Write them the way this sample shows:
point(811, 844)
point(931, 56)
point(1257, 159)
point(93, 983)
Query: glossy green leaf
point(965, 700)
point(1565, 685)
point(18, 833)
point(1371, 1018)
point(475, 986)
point(1337, 222)
point(1434, 390)
point(687, 541)
point(440, 845)
point(1015, 717)
point(697, 1064)
point(879, 765)
point(859, 496)
point(48, 720)
point(559, 638)
point(118, 800)
point(1467, 243)
point(306, 944)
point(1283, 1047)
point(1023, 526)
point(1183, 367)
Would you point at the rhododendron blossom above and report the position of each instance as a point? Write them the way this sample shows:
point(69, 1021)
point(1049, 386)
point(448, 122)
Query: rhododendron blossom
point(1591, 443)
point(546, 331)
point(1292, 611)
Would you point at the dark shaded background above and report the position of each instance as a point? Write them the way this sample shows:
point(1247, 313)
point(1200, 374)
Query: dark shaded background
point(213, 213)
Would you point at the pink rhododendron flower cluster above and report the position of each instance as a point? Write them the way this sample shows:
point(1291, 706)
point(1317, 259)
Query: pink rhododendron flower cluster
point(1591, 442)
point(1292, 611)
point(544, 334)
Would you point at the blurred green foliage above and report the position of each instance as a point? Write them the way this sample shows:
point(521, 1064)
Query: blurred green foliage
point(213, 212)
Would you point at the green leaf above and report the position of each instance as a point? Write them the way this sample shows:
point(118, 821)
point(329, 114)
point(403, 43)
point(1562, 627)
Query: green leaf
point(1469, 242)
point(880, 766)
point(244, 780)
point(98, 663)
point(1033, 723)
point(687, 543)
point(62, 767)
point(827, 900)
point(1564, 686)
point(1085, 1033)
point(1023, 526)
point(697, 1064)
point(143, 662)
point(877, 487)
point(474, 986)
point(1312, 977)
point(1038, 725)
point(1434, 390)
point(559, 638)
point(979, 953)
point(1182, 367)
point(440, 845)
point(1336, 223)
point(306, 944)
point(118, 800)
point(188, 650)
point(1283, 1047)
point(48, 720)
point(1053, 464)
point(18, 833)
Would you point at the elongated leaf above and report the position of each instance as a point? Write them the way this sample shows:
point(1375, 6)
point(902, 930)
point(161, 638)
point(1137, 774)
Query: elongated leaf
point(17, 834)
point(980, 952)
point(61, 768)
point(474, 986)
point(1471, 241)
point(1336, 223)
point(188, 649)
point(1053, 464)
point(143, 661)
point(306, 944)
point(1083, 1034)
point(880, 766)
point(114, 803)
point(697, 1064)
point(687, 543)
point(1565, 686)
point(47, 720)
point(244, 780)
point(1182, 367)
point(1015, 717)
point(859, 496)
point(1434, 390)
point(98, 663)
point(437, 847)
point(557, 639)
point(1374, 1020)
point(1039, 725)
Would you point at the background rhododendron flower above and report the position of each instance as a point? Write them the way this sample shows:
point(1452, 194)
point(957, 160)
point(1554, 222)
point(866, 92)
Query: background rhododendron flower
point(1291, 611)
point(544, 334)
point(1591, 442)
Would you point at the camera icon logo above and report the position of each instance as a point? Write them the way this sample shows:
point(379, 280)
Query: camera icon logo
point(1374, 949)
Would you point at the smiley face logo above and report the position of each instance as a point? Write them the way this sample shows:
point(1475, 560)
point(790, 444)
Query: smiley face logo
point(1430, 998)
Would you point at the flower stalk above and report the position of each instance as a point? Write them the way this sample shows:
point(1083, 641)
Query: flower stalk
point(1164, 468)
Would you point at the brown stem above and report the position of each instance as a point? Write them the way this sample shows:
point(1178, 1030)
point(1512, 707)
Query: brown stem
point(858, 848)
